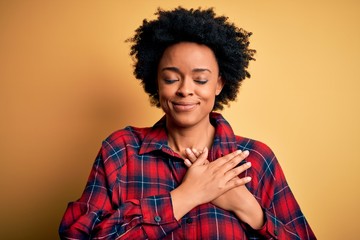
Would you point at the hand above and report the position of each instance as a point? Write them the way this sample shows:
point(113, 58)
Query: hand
point(206, 181)
point(213, 179)
point(238, 200)
point(231, 200)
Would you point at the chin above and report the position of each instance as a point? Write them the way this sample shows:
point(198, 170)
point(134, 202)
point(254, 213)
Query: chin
point(185, 120)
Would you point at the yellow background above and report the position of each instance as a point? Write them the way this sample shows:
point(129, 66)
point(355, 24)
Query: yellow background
point(66, 83)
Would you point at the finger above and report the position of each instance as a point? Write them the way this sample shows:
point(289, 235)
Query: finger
point(236, 182)
point(236, 159)
point(237, 170)
point(190, 155)
point(229, 164)
point(241, 163)
point(221, 161)
point(202, 159)
point(203, 155)
point(196, 152)
point(187, 162)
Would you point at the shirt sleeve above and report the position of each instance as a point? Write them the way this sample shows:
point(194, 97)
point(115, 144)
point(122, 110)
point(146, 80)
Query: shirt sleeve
point(283, 216)
point(97, 215)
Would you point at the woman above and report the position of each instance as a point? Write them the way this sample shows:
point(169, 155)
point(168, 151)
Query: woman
point(184, 178)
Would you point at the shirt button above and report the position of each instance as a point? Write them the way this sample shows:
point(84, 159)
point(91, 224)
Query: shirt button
point(276, 232)
point(189, 220)
point(157, 219)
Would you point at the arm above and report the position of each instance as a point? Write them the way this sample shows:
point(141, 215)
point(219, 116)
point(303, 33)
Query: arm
point(284, 218)
point(238, 200)
point(206, 181)
point(275, 213)
point(100, 214)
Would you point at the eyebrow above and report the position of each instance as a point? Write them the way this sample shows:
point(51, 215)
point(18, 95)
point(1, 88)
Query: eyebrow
point(177, 70)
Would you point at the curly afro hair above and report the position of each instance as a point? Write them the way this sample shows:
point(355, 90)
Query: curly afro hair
point(229, 43)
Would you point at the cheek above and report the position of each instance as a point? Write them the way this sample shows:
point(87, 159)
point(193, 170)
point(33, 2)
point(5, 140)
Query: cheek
point(164, 97)
point(164, 93)
point(207, 94)
point(167, 91)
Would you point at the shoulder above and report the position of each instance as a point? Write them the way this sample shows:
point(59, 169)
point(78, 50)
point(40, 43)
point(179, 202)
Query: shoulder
point(254, 146)
point(123, 142)
point(265, 167)
point(119, 146)
point(261, 156)
point(268, 178)
point(128, 135)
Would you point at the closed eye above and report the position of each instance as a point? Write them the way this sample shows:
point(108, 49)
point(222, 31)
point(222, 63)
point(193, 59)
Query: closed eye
point(201, 81)
point(170, 81)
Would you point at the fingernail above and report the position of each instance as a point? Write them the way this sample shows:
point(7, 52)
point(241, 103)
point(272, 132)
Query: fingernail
point(246, 152)
point(248, 164)
point(187, 150)
point(238, 151)
point(248, 179)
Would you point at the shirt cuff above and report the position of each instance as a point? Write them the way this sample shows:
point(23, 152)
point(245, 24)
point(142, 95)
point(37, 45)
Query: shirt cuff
point(271, 228)
point(158, 216)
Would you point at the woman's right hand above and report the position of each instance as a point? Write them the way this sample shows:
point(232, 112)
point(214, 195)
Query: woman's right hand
point(206, 181)
point(238, 200)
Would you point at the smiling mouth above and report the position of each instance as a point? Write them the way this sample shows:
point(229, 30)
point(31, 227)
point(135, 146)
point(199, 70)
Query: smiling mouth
point(184, 107)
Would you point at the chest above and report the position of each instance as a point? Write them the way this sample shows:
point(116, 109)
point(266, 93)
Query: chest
point(149, 175)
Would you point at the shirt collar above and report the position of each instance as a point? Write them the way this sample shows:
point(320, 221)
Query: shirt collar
point(224, 140)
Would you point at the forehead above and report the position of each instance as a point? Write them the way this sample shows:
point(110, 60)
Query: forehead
point(188, 55)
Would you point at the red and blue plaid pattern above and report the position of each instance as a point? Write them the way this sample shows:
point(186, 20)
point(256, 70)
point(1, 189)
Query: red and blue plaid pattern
point(127, 193)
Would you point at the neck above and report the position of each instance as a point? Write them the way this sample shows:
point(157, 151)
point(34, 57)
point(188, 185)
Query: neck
point(197, 137)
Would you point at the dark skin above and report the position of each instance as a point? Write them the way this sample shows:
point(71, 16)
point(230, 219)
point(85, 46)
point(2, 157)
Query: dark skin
point(238, 199)
point(188, 81)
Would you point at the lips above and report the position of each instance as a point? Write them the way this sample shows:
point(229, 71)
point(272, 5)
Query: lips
point(184, 106)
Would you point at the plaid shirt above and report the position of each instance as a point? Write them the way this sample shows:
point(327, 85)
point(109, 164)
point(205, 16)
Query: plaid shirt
point(127, 195)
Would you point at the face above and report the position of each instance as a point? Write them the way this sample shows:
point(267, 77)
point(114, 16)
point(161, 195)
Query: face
point(188, 81)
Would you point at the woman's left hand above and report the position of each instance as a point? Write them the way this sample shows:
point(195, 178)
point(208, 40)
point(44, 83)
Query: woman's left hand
point(238, 200)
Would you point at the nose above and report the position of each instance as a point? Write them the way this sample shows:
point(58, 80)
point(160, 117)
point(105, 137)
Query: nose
point(186, 88)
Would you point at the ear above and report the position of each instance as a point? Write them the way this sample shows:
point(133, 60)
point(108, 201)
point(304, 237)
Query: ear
point(219, 85)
